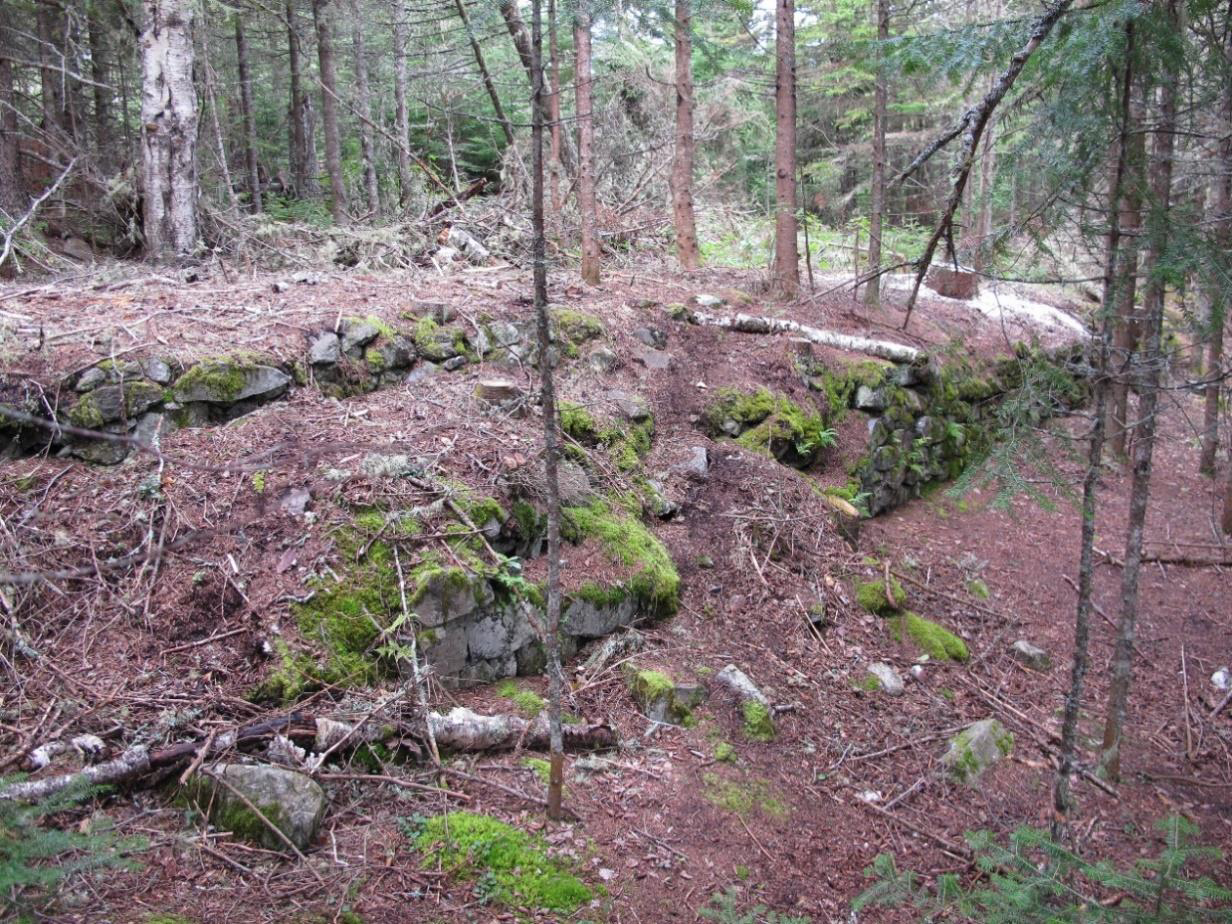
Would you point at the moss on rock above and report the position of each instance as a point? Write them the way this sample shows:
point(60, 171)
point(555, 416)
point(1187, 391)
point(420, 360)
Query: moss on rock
point(625, 539)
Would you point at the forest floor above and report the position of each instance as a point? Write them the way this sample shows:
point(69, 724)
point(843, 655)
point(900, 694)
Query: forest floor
point(168, 651)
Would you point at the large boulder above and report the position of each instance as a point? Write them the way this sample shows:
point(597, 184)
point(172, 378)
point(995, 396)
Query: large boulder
point(229, 380)
point(290, 801)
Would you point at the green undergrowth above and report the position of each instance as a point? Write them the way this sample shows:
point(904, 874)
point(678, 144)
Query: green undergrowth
point(937, 642)
point(653, 581)
point(510, 867)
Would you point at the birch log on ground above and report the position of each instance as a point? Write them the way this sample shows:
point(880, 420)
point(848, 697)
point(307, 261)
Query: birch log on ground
point(753, 324)
point(458, 730)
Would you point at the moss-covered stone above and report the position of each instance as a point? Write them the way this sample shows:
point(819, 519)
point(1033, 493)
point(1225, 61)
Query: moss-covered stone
point(656, 695)
point(975, 749)
point(769, 423)
point(653, 579)
point(512, 867)
point(235, 377)
point(873, 596)
point(937, 642)
point(758, 723)
point(576, 327)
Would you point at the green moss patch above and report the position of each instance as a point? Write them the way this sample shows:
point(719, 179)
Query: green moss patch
point(937, 642)
point(512, 868)
point(528, 702)
point(758, 723)
point(873, 596)
point(654, 580)
point(743, 798)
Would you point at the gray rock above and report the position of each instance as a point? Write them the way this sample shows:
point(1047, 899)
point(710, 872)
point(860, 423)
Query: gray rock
point(158, 370)
point(445, 649)
point(357, 334)
point(294, 501)
point(659, 504)
point(394, 465)
point(613, 648)
point(695, 464)
point(149, 428)
point(504, 334)
point(706, 300)
point(887, 677)
point(885, 458)
point(651, 336)
point(91, 379)
point(878, 432)
point(497, 635)
point(601, 359)
point(325, 350)
point(871, 399)
point(927, 429)
point(444, 596)
point(422, 372)
point(294, 803)
point(654, 360)
point(976, 748)
point(109, 403)
point(1024, 652)
point(587, 619)
point(454, 363)
point(483, 343)
point(632, 406)
point(739, 683)
point(253, 382)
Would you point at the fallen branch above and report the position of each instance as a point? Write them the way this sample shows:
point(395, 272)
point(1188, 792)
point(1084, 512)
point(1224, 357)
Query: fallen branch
point(11, 231)
point(751, 324)
point(463, 730)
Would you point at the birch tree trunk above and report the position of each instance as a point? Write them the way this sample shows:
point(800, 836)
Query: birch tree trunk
point(786, 256)
point(876, 217)
point(402, 118)
point(1162, 149)
point(551, 435)
point(250, 125)
point(682, 164)
point(363, 105)
point(587, 205)
point(168, 130)
point(323, 18)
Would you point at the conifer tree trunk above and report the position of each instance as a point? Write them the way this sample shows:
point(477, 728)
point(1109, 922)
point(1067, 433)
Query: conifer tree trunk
point(12, 194)
point(250, 125)
point(100, 66)
point(1128, 326)
point(786, 255)
point(323, 17)
point(363, 106)
point(402, 118)
point(1162, 149)
point(168, 130)
point(484, 74)
point(1220, 302)
point(551, 434)
point(49, 18)
point(1090, 482)
point(876, 216)
point(587, 205)
point(305, 179)
point(682, 164)
point(554, 109)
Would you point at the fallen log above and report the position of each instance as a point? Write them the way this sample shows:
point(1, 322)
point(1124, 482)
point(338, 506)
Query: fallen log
point(458, 730)
point(753, 324)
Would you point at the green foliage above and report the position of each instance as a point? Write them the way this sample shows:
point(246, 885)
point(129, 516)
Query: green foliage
point(758, 723)
point(510, 867)
point(37, 855)
point(938, 643)
point(743, 797)
point(1033, 879)
point(726, 909)
point(528, 702)
point(770, 423)
point(873, 596)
